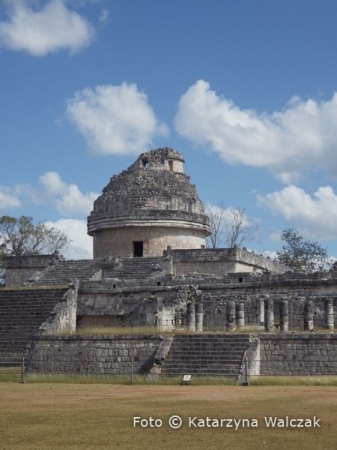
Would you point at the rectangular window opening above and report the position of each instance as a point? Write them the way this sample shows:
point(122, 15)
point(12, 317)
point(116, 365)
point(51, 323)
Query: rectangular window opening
point(171, 166)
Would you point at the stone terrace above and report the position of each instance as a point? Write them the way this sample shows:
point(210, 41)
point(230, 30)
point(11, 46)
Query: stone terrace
point(22, 312)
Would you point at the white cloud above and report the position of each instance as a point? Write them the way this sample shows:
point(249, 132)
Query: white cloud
point(301, 137)
point(43, 30)
point(67, 198)
point(52, 183)
point(104, 16)
point(81, 246)
point(8, 198)
point(316, 215)
point(115, 119)
point(269, 254)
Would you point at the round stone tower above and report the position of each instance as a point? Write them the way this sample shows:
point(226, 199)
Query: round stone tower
point(148, 207)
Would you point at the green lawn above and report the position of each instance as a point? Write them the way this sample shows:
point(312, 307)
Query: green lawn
point(100, 416)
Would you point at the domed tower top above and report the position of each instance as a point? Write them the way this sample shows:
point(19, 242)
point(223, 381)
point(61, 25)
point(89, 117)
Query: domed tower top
point(160, 159)
point(147, 207)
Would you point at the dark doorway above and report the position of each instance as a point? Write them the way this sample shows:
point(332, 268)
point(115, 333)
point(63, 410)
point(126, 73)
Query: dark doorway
point(138, 248)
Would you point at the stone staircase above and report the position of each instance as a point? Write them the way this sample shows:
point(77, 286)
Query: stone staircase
point(127, 269)
point(206, 355)
point(64, 271)
point(137, 268)
point(22, 311)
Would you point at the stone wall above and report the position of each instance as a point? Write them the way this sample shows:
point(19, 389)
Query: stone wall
point(98, 306)
point(94, 355)
point(272, 354)
point(119, 241)
point(63, 316)
point(298, 354)
point(19, 269)
point(221, 262)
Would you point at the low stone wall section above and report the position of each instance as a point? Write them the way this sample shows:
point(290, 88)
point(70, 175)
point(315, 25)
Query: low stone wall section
point(298, 354)
point(93, 355)
point(221, 261)
point(277, 354)
point(19, 269)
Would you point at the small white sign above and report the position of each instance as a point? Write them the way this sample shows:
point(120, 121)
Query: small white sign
point(187, 378)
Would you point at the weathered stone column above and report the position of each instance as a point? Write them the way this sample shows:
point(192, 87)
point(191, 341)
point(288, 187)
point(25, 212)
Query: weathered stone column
point(309, 315)
point(231, 315)
point(329, 313)
point(222, 302)
point(269, 315)
point(240, 314)
point(177, 319)
point(260, 311)
point(284, 314)
point(191, 316)
point(199, 316)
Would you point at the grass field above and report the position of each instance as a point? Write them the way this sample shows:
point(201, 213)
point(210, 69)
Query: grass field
point(59, 416)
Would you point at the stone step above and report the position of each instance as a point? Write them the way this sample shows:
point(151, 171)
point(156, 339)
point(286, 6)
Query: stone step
point(211, 342)
point(12, 355)
point(194, 348)
point(225, 373)
point(199, 364)
point(200, 367)
point(206, 359)
point(21, 319)
point(203, 359)
point(13, 359)
point(26, 309)
point(205, 348)
point(136, 268)
point(13, 347)
point(210, 338)
point(212, 355)
point(196, 351)
point(67, 270)
point(22, 312)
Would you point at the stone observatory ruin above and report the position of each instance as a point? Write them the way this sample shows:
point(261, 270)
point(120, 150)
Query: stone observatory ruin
point(148, 207)
point(152, 271)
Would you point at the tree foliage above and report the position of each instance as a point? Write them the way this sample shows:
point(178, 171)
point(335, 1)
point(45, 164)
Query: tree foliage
point(21, 237)
point(302, 255)
point(230, 227)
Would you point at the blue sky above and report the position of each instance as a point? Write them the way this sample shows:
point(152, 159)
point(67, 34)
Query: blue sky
point(244, 89)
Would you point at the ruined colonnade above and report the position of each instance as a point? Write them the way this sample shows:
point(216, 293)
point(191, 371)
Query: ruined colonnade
point(272, 311)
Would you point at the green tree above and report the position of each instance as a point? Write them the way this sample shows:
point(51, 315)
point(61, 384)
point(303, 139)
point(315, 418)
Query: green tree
point(21, 237)
point(302, 255)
